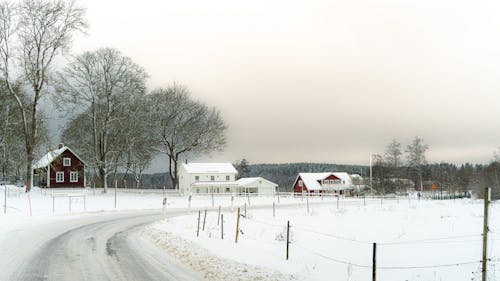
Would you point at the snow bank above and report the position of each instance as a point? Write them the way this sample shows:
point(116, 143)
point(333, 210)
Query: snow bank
point(209, 266)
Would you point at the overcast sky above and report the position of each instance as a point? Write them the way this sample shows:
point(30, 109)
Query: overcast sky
point(322, 81)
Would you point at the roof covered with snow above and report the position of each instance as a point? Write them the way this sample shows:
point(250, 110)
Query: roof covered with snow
point(249, 181)
point(311, 180)
point(209, 168)
point(345, 177)
point(49, 157)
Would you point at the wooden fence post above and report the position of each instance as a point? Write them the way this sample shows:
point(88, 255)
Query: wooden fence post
point(218, 216)
point(287, 238)
point(374, 265)
point(198, 229)
point(204, 219)
point(237, 226)
point(485, 234)
point(222, 226)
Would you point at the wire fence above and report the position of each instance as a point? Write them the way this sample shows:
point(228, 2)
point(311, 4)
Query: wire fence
point(467, 238)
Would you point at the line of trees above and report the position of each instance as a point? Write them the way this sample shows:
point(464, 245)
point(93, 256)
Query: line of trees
point(122, 127)
point(114, 123)
point(396, 170)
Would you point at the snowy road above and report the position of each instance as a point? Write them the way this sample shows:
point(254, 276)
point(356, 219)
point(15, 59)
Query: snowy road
point(106, 246)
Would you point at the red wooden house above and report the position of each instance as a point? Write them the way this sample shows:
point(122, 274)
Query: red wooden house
point(338, 183)
point(60, 168)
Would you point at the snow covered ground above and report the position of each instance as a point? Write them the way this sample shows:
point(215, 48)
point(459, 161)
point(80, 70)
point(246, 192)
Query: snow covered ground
point(417, 240)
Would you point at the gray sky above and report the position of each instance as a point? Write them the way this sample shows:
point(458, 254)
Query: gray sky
point(322, 81)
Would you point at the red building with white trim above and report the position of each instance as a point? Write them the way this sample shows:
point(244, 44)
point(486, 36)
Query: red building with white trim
point(60, 168)
point(337, 183)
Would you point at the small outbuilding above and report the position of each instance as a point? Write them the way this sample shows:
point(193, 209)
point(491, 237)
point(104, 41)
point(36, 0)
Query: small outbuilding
point(60, 168)
point(257, 185)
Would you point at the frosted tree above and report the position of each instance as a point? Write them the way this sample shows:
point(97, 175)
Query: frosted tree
point(393, 158)
point(184, 127)
point(32, 34)
point(105, 84)
point(416, 158)
point(242, 168)
point(393, 154)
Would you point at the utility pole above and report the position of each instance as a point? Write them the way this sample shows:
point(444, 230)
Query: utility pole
point(371, 173)
point(485, 233)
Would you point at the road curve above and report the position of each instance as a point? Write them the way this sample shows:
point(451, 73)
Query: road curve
point(108, 246)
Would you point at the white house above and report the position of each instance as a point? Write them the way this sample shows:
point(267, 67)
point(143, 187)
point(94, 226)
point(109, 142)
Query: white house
point(206, 177)
point(219, 178)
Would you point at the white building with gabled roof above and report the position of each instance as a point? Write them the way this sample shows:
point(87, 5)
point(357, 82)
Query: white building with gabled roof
point(205, 178)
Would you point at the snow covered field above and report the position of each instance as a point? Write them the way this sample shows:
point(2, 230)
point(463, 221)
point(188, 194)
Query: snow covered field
point(417, 240)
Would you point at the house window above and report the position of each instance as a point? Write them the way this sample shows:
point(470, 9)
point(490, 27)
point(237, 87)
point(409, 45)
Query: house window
point(59, 176)
point(301, 184)
point(66, 162)
point(196, 178)
point(227, 178)
point(212, 178)
point(73, 176)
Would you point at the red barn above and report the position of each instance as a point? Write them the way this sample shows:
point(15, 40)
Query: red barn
point(336, 182)
point(60, 168)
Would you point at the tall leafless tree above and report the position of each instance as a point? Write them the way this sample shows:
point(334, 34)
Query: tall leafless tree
point(184, 127)
point(393, 154)
point(416, 157)
point(32, 34)
point(105, 84)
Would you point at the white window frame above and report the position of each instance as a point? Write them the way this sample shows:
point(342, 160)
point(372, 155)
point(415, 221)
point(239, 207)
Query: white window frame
point(301, 183)
point(212, 178)
point(73, 176)
point(196, 178)
point(228, 178)
point(66, 162)
point(59, 177)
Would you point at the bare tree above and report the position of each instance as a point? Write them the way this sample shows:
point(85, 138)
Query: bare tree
point(416, 157)
point(183, 127)
point(138, 141)
point(32, 33)
point(393, 154)
point(104, 83)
